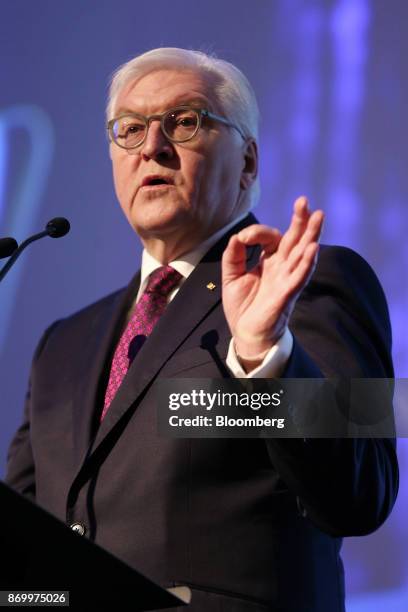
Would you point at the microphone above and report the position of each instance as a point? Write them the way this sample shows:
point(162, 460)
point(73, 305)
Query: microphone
point(7, 247)
point(56, 228)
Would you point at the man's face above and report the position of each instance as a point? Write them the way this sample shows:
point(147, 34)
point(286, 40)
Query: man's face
point(204, 190)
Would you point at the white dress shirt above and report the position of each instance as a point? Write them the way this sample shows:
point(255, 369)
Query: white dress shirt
point(276, 358)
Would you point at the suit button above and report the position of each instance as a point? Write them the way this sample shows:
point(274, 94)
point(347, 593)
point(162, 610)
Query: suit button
point(78, 528)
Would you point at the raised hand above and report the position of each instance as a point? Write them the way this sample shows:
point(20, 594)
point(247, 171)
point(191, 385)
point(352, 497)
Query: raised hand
point(258, 303)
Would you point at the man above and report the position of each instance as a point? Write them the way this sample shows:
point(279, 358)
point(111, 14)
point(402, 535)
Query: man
point(247, 524)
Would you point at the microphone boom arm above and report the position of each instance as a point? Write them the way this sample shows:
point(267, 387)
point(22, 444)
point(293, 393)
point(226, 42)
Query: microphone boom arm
point(56, 228)
point(18, 251)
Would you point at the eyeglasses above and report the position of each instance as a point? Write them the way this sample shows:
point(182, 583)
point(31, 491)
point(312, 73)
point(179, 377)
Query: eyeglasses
point(178, 125)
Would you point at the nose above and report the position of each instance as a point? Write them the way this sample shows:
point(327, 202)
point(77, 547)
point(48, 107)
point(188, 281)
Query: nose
point(156, 145)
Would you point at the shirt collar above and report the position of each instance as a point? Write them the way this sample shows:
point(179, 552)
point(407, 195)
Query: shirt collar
point(188, 261)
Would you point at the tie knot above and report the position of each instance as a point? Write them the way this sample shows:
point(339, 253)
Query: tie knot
point(163, 280)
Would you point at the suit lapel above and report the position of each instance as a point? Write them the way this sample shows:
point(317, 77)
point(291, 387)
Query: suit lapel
point(193, 302)
point(92, 364)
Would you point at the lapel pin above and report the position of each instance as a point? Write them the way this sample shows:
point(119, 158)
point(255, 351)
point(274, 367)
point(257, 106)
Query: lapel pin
point(211, 286)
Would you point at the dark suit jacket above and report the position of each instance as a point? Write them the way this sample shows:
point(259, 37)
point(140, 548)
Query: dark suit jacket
point(249, 524)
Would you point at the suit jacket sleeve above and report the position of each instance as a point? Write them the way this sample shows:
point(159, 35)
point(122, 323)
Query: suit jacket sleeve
point(341, 328)
point(20, 468)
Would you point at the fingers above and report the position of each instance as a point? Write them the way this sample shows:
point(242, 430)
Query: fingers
point(234, 257)
point(310, 236)
point(300, 218)
point(298, 249)
point(304, 231)
point(313, 228)
point(304, 269)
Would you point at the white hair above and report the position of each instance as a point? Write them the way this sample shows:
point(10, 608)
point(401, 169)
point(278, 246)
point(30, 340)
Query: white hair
point(233, 94)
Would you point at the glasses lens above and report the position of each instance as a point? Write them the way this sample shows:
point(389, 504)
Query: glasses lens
point(181, 124)
point(128, 131)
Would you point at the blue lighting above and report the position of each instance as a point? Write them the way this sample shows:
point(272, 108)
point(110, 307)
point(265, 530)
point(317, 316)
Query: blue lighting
point(23, 210)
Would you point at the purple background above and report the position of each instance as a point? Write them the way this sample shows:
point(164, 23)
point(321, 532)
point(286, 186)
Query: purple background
point(331, 83)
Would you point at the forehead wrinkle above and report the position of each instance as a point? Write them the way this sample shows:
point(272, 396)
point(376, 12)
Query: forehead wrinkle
point(183, 100)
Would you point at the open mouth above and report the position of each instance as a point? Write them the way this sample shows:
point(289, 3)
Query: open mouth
point(154, 181)
point(157, 182)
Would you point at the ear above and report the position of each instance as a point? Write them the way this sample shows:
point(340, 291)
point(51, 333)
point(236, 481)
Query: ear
point(250, 164)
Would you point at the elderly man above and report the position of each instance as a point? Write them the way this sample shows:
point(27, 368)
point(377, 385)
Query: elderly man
point(247, 524)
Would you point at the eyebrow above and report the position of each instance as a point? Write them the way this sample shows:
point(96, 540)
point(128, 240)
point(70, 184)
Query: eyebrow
point(198, 102)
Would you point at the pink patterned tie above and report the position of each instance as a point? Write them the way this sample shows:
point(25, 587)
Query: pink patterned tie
point(147, 312)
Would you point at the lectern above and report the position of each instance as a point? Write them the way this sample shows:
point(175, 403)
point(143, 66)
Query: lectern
point(40, 553)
